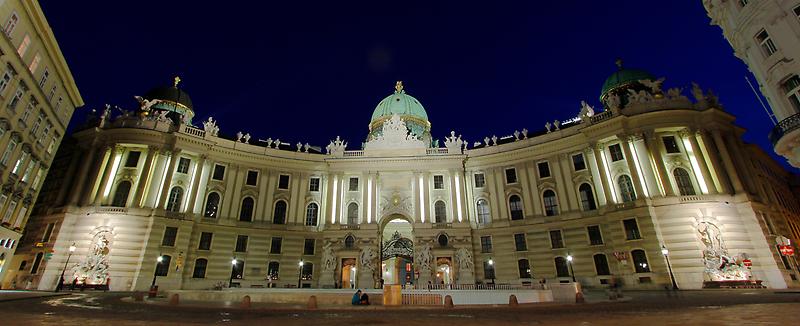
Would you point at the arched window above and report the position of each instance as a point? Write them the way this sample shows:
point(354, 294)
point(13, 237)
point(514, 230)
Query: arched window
point(121, 194)
point(640, 261)
point(307, 272)
point(352, 214)
point(349, 242)
point(174, 199)
point(684, 182)
point(212, 205)
point(200, 266)
point(587, 197)
point(524, 268)
point(550, 203)
point(162, 268)
point(442, 240)
point(273, 269)
point(246, 212)
point(483, 212)
point(440, 212)
point(601, 264)
point(515, 205)
point(311, 214)
point(626, 188)
point(562, 270)
point(279, 215)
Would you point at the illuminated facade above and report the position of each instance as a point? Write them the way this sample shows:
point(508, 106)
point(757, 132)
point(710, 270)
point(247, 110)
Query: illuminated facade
point(37, 99)
point(609, 189)
point(764, 35)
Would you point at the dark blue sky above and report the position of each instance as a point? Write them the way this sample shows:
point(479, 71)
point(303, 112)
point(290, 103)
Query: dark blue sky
point(307, 71)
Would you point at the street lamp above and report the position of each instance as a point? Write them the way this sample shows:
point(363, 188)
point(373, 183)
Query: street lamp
point(61, 280)
point(572, 273)
point(233, 271)
point(300, 272)
point(153, 288)
point(665, 252)
point(491, 263)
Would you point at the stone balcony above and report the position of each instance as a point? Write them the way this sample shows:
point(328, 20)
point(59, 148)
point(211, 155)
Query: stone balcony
point(785, 138)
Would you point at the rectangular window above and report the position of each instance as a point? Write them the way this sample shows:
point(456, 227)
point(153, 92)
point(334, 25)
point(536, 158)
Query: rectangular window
point(9, 210)
point(438, 182)
point(670, 144)
point(480, 180)
point(5, 81)
point(544, 169)
point(241, 243)
point(52, 145)
point(519, 242)
point(170, 234)
point(205, 241)
point(595, 237)
point(353, 185)
point(556, 241)
point(21, 160)
point(488, 270)
point(308, 247)
point(313, 184)
point(578, 163)
point(23, 46)
point(219, 172)
point(43, 80)
point(283, 181)
point(183, 165)
point(58, 103)
point(35, 63)
point(36, 262)
point(631, 229)
point(133, 159)
point(511, 175)
point(792, 88)
point(275, 246)
point(48, 232)
point(486, 244)
point(29, 170)
point(12, 145)
point(616, 153)
point(766, 43)
point(37, 124)
point(52, 93)
point(797, 11)
point(28, 110)
point(252, 178)
point(17, 97)
point(11, 24)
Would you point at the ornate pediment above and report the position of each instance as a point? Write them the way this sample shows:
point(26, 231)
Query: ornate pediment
point(394, 135)
point(397, 204)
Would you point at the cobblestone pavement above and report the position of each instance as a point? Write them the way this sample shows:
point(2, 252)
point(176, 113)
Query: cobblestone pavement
point(651, 308)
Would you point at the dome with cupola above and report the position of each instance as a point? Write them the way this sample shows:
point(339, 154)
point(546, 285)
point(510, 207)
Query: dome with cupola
point(407, 107)
point(171, 99)
point(622, 80)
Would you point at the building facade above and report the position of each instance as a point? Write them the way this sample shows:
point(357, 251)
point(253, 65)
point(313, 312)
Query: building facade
point(764, 33)
point(151, 197)
point(37, 99)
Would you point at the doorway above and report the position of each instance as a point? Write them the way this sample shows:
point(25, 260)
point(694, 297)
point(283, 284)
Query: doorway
point(444, 270)
point(348, 279)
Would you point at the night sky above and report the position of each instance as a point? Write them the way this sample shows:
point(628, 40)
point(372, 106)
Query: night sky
point(306, 71)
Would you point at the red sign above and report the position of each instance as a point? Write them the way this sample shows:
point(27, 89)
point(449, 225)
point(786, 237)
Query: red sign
point(786, 250)
point(747, 263)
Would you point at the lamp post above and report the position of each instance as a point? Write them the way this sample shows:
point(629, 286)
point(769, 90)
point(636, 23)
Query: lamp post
point(61, 280)
point(300, 273)
point(569, 261)
point(491, 263)
point(665, 252)
point(155, 271)
point(233, 271)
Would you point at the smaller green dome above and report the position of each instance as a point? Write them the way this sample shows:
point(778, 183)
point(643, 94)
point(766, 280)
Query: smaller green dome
point(399, 103)
point(623, 77)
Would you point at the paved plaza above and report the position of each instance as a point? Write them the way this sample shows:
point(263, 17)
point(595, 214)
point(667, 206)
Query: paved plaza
point(651, 308)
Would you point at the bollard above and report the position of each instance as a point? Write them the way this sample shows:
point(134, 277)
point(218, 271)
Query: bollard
point(512, 301)
point(246, 302)
point(174, 300)
point(448, 301)
point(138, 296)
point(312, 302)
point(579, 297)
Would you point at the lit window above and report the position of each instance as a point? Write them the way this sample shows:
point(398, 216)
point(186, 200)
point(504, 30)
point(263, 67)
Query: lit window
point(524, 267)
point(23, 47)
point(766, 43)
point(212, 205)
point(640, 261)
point(482, 208)
point(35, 63)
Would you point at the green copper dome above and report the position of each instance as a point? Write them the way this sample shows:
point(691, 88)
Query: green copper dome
point(399, 103)
point(623, 77)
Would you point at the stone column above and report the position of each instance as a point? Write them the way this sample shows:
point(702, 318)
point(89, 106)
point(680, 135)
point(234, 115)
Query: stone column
point(648, 170)
point(569, 184)
point(83, 171)
point(629, 159)
point(736, 183)
point(716, 162)
point(426, 186)
point(107, 177)
point(198, 174)
point(691, 135)
point(144, 176)
point(598, 181)
point(535, 199)
point(94, 175)
point(72, 180)
point(416, 199)
point(653, 144)
point(168, 180)
point(597, 151)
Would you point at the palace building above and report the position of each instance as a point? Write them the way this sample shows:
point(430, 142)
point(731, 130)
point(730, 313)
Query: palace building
point(653, 186)
point(37, 98)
